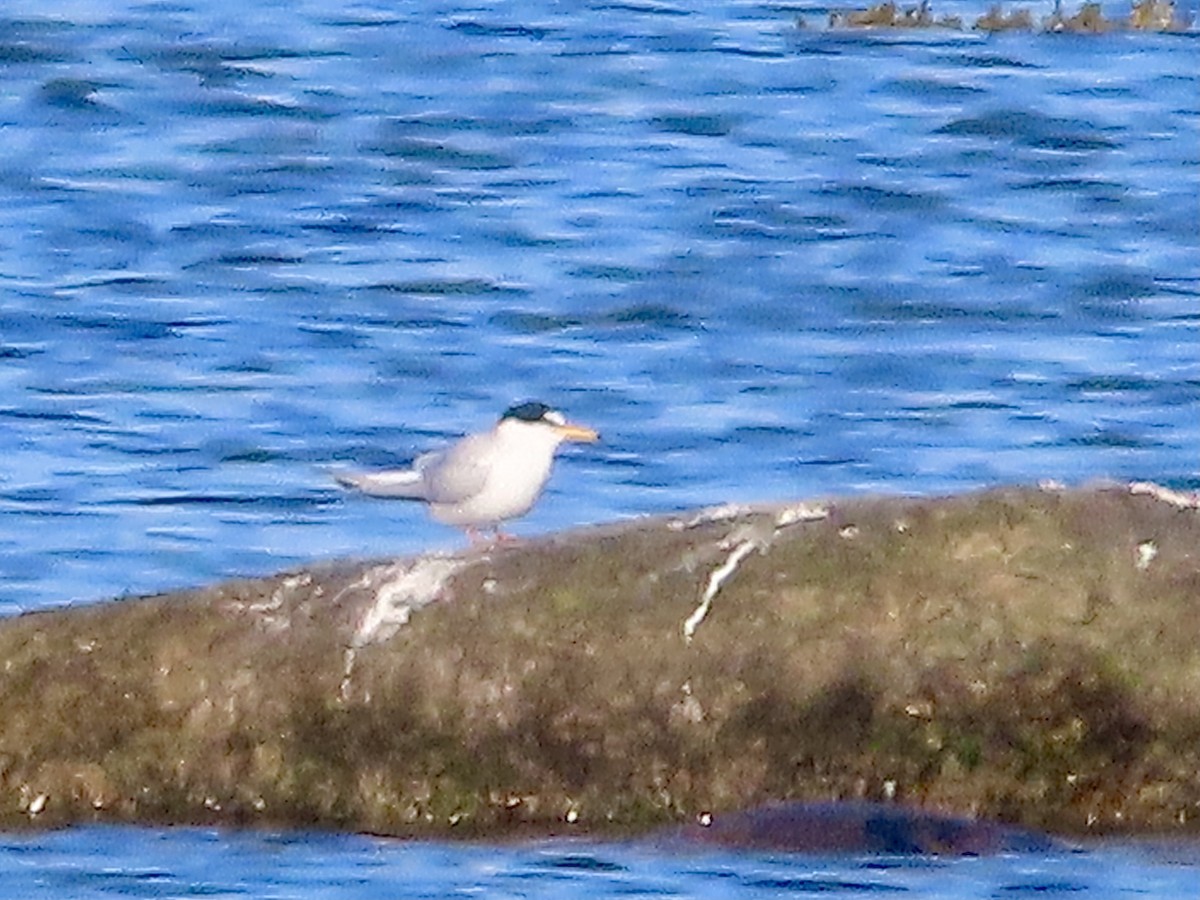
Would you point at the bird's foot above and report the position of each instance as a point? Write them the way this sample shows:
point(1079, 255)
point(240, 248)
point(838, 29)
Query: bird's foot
point(479, 539)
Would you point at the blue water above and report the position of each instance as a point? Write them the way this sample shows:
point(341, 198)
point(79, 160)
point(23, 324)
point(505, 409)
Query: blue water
point(87, 863)
point(244, 244)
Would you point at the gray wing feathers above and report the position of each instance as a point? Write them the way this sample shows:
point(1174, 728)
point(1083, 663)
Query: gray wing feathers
point(457, 474)
point(450, 476)
point(404, 484)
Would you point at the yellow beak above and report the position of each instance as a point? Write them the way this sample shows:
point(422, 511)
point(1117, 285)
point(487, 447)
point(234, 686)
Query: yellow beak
point(572, 432)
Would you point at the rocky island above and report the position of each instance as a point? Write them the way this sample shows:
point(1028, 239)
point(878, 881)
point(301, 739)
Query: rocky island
point(1030, 656)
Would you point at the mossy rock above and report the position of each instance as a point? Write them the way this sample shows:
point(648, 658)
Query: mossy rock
point(1027, 655)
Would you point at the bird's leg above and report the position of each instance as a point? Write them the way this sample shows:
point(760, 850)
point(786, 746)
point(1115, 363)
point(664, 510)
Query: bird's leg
point(479, 539)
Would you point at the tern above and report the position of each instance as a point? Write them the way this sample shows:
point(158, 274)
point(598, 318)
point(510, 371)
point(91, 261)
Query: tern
point(483, 479)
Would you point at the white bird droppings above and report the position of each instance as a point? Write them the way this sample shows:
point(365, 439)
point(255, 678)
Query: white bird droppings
point(1146, 551)
point(721, 513)
point(399, 589)
point(715, 580)
point(1181, 499)
point(801, 512)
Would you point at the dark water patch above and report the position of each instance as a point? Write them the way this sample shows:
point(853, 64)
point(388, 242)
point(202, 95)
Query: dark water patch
point(1071, 185)
point(524, 322)
point(26, 54)
point(646, 314)
point(581, 862)
point(367, 19)
point(775, 220)
point(1178, 286)
point(270, 144)
point(1109, 309)
point(830, 462)
point(448, 287)
point(615, 193)
point(889, 39)
point(415, 322)
point(836, 886)
point(903, 864)
point(131, 283)
point(408, 368)
point(125, 447)
point(882, 309)
point(1108, 438)
point(601, 272)
point(987, 405)
point(654, 9)
point(803, 43)
point(886, 199)
point(48, 415)
point(1108, 384)
point(931, 89)
point(438, 153)
point(1072, 143)
point(693, 124)
point(520, 239)
point(1047, 888)
point(32, 495)
point(447, 123)
point(236, 105)
point(70, 93)
point(770, 433)
point(228, 501)
point(253, 456)
point(131, 387)
point(347, 226)
point(16, 351)
point(1099, 91)
point(475, 28)
point(1116, 284)
point(275, 289)
point(985, 61)
point(747, 52)
point(252, 366)
point(201, 57)
point(1029, 129)
point(210, 231)
point(247, 259)
point(893, 162)
point(333, 337)
point(800, 90)
point(33, 41)
point(121, 328)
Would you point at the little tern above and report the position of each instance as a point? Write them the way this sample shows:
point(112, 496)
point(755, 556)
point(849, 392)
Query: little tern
point(483, 479)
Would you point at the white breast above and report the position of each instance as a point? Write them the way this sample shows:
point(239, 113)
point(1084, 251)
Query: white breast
point(519, 465)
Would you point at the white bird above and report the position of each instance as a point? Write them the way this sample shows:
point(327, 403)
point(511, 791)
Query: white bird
point(483, 479)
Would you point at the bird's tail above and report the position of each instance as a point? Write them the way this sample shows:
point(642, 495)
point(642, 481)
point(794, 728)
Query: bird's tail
point(398, 484)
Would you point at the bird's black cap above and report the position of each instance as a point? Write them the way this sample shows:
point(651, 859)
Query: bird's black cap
point(529, 411)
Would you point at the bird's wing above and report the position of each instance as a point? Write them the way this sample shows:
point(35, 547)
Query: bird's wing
point(457, 473)
point(400, 484)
